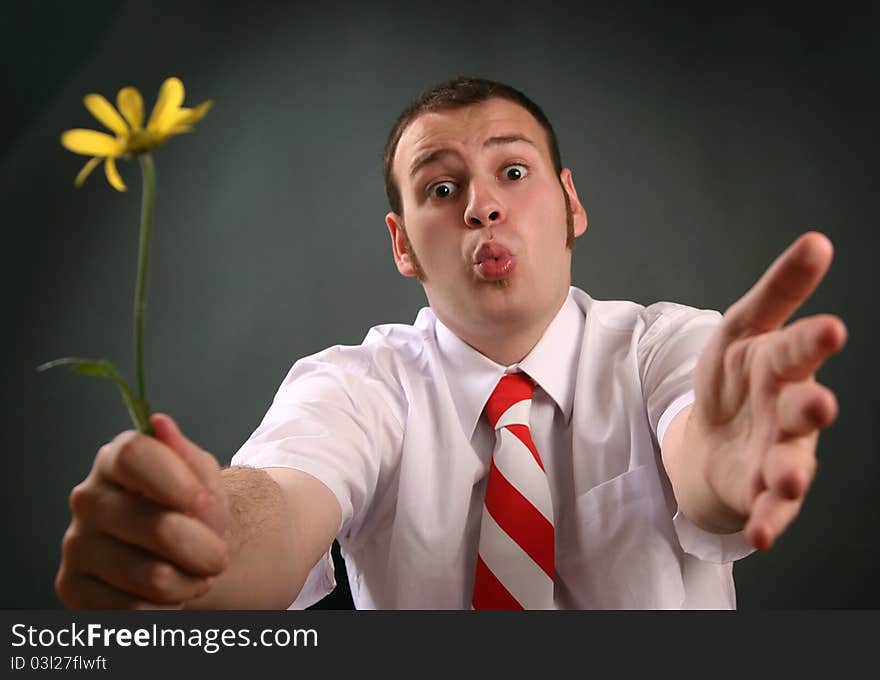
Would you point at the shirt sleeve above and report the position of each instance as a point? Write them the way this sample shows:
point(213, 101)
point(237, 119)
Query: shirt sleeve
point(668, 352)
point(332, 420)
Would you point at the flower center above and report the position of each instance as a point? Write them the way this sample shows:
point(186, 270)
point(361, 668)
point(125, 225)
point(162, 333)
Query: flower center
point(141, 141)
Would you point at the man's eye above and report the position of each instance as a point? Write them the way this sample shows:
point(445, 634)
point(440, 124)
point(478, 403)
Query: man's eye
point(442, 189)
point(515, 172)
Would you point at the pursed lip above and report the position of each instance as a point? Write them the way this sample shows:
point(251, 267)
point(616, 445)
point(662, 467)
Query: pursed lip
point(494, 262)
point(490, 250)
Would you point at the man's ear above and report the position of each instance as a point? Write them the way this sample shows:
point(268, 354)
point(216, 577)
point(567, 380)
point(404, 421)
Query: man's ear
point(578, 212)
point(400, 244)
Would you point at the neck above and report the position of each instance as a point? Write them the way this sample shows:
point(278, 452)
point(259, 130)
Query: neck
point(513, 350)
point(505, 344)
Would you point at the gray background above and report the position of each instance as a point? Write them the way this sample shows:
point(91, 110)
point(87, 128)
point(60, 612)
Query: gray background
point(701, 141)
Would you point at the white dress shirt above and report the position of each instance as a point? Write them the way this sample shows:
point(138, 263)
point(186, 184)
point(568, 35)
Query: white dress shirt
point(394, 428)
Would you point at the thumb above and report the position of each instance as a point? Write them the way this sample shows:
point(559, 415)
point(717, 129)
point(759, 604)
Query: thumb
point(169, 433)
point(202, 463)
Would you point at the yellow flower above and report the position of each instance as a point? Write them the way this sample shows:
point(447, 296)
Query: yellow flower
point(168, 118)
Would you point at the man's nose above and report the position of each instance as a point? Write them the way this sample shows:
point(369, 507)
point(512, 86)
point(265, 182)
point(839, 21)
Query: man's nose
point(484, 207)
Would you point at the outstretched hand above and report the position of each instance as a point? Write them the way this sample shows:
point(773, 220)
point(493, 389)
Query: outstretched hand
point(758, 408)
point(147, 524)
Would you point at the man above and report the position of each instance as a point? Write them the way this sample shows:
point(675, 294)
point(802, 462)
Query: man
point(662, 443)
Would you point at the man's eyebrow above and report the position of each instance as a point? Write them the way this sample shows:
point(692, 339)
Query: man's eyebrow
point(429, 157)
point(437, 154)
point(507, 139)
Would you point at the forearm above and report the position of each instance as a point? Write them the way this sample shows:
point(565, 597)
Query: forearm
point(685, 459)
point(269, 557)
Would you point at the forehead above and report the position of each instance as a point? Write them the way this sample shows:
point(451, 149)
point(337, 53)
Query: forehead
point(467, 126)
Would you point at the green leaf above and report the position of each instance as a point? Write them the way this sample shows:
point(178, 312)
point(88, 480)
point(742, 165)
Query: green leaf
point(138, 409)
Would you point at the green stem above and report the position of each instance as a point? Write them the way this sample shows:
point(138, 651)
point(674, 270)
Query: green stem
point(140, 294)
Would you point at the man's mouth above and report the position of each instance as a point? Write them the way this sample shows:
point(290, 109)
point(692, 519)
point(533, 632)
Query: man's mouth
point(494, 262)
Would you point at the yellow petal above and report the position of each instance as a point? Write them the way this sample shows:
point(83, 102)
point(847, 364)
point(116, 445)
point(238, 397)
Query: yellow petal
point(177, 130)
point(170, 98)
point(86, 171)
point(113, 175)
point(106, 114)
point(131, 105)
point(191, 116)
point(91, 143)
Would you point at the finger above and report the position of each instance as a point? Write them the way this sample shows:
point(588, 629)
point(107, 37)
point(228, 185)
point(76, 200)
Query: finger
point(805, 407)
point(797, 351)
point(790, 467)
point(785, 285)
point(201, 462)
point(129, 569)
point(178, 538)
point(146, 466)
point(770, 516)
point(80, 591)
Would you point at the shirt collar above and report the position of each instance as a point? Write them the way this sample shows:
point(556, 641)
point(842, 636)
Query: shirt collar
point(552, 364)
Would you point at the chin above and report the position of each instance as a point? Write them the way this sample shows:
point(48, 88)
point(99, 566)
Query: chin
point(506, 303)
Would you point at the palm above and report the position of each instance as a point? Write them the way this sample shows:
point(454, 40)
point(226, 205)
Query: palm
point(758, 409)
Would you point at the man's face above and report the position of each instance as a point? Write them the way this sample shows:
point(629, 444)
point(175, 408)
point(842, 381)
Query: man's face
point(484, 222)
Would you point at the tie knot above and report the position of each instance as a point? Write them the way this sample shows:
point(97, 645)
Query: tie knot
point(512, 389)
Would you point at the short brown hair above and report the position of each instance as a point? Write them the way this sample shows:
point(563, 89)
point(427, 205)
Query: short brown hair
point(453, 94)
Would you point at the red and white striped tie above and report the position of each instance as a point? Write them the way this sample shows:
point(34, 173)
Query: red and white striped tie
point(515, 558)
